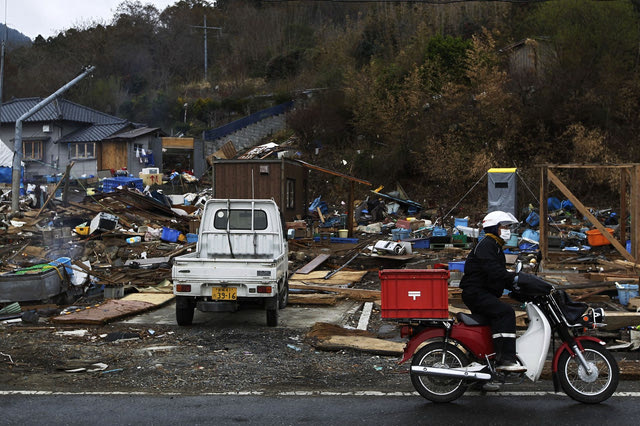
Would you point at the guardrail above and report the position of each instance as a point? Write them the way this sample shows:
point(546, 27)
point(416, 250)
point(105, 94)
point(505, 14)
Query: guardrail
point(234, 126)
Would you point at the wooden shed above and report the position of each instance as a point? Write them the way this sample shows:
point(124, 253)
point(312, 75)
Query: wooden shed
point(283, 180)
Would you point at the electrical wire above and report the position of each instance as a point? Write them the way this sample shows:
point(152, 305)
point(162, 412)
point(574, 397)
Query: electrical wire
point(464, 196)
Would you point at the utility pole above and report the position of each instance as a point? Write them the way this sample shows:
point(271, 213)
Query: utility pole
point(205, 42)
point(4, 41)
point(17, 145)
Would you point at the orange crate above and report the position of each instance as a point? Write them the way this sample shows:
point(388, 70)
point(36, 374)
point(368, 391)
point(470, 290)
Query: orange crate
point(414, 293)
point(595, 237)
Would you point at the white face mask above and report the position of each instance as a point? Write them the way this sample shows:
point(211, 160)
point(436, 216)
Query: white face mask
point(505, 234)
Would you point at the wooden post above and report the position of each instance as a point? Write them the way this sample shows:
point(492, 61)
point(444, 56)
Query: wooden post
point(350, 208)
point(594, 221)
point(544, 225)
point(624, 187)
point(65, 191)
point(53, 193)
point(635, 212)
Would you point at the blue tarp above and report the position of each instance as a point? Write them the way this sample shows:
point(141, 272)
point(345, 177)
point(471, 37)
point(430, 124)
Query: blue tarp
point(5, 174)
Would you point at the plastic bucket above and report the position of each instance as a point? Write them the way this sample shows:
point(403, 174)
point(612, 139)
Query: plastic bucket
point(343, 233)
point(457, 266)
point(66, 262)
point(626, 292)
point(169, 234)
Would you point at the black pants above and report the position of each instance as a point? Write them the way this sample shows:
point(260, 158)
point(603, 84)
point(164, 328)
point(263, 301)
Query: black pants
point(501, 317)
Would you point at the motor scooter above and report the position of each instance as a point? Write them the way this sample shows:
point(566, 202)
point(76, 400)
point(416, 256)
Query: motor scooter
point(448, 356)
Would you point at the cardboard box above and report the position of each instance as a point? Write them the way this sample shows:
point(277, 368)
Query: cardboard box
point(151, 178)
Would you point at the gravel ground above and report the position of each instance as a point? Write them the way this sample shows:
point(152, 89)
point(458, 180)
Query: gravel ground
point(188, 360)
point(199, 359)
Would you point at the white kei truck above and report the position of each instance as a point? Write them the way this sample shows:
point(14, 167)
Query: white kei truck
point(241, 259)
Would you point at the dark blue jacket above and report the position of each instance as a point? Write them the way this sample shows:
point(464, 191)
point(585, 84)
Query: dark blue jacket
point(485, 267)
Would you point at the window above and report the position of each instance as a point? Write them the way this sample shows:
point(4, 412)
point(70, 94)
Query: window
point(32, 150)
point(291, 193)
point(240, 219)
point(82, 150)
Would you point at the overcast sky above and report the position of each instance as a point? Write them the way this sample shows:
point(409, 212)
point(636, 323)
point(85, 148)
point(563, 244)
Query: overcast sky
point(49, 17)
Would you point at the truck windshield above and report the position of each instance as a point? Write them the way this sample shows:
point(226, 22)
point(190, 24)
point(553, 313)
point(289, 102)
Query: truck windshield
point(240, 219)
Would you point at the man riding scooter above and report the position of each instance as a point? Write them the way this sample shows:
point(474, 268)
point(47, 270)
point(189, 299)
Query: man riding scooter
point(484, 281)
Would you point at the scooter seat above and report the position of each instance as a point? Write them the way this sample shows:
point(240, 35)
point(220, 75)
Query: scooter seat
point(472, 319)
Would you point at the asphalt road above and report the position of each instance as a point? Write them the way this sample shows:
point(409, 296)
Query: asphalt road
point(477, 409)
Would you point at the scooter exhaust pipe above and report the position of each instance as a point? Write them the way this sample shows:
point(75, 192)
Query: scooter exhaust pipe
point(450, 372)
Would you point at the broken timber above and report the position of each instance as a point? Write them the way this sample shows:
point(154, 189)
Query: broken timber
point(341, 278)
point(331, 337)
point(351, 293)
point(309, 267)
point(114, 309)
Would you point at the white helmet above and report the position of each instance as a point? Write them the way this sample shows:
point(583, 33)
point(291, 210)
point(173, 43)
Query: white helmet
point(498, 218)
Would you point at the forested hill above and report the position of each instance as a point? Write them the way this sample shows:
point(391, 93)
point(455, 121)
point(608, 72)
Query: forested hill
point(14, 37)
point(426, 94)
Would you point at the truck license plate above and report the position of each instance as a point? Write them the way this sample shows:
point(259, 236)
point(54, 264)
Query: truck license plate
point(224, 293)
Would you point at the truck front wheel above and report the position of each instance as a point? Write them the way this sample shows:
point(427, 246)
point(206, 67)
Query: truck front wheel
point(184, 310)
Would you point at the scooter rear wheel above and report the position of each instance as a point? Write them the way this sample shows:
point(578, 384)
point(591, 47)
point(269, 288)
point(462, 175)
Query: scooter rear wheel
point(438, 388)
point(595, 386)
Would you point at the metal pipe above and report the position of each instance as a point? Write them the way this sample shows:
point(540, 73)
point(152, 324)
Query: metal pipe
point(581, 358)
point(17, 145)
point(450, 372)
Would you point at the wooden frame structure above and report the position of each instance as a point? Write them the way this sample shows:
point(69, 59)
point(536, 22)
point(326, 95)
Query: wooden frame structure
point(352, 181)
point(629, 182)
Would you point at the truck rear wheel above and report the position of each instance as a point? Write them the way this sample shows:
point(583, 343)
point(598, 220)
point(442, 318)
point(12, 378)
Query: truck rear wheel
point(184, 310)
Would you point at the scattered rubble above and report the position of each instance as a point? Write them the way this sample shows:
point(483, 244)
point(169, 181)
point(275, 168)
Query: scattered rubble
point(113, 252)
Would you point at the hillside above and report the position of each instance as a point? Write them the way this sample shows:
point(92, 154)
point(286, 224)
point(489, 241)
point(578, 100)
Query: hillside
point(428, 95)
point(14, 37)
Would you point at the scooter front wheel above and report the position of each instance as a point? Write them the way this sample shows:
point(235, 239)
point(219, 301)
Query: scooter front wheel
point(439, 388)
point(595, 385)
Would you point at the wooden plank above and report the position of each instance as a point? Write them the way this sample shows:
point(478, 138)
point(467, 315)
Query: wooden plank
point(309, 267)
point(363, 322)
point(352, 293)
point(314, 299)
point(603, 276)
point(110, 310)
point(179, 143)
point(364, 344)
point(617, 320)
point(340, 278)
point(157, 299)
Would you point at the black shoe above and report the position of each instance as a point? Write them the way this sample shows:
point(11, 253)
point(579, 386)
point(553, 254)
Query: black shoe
point(491, 387)
point(510, 367)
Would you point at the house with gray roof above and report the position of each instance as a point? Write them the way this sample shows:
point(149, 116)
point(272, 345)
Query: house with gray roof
point(64, 131)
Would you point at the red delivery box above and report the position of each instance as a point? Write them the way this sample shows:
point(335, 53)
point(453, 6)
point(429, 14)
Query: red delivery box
point(414, 293)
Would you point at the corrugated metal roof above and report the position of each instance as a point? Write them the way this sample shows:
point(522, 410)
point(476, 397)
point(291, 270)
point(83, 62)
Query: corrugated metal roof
point(132, 134)
point(94, 133)
point(57, 110)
